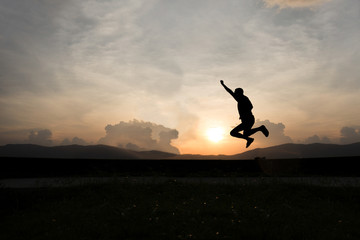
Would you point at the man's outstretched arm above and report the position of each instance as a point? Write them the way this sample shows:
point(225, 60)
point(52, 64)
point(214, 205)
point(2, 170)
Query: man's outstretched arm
point(226, 88)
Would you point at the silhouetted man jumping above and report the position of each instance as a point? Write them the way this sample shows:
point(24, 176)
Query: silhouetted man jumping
point(247, 118)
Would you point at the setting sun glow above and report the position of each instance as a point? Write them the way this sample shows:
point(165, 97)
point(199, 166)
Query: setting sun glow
point(215, 134)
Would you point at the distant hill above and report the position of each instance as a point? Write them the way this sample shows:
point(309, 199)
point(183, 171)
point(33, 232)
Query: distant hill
point(70, 151)
point(154, 155)
point(316, 150)
point(289, 151)
point(78, 152)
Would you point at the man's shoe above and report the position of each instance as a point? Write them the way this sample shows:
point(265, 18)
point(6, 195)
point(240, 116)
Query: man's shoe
point(249, 142)
point(264, 131)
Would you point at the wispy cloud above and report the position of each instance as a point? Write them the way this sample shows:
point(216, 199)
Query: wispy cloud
point(294, 3)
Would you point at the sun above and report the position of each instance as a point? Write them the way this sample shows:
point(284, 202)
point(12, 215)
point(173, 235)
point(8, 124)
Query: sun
point(215, 134)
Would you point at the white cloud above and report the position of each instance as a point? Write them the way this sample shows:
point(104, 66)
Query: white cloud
point(276, 133)
point(139, 135)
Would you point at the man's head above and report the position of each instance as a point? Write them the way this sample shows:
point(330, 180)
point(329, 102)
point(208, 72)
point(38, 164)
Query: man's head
point(239, 91)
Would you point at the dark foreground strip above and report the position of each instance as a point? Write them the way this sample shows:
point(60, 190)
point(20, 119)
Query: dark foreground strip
point(69, 182)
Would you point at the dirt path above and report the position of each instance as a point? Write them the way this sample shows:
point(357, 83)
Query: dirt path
point(68, 182)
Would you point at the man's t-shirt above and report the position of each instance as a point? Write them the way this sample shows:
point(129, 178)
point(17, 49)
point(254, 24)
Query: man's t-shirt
point(244, 107)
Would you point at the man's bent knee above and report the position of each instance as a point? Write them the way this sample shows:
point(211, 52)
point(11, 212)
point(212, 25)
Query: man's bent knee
point(234, 133)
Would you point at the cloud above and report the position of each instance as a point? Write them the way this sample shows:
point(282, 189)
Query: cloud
point(29, 136)
point(28, 31)
point(350, 135)
point(132, 146)
point(140, 135)
point(40, 137)
point(75, 140)
point(317, 139)
point(294, 3)
point(276, 133)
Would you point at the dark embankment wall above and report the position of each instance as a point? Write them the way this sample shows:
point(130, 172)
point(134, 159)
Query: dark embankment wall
point(34, 167)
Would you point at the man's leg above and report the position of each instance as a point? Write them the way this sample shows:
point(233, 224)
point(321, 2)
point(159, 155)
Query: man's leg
point(262, 128)
point(246, 134)
point(236, 133)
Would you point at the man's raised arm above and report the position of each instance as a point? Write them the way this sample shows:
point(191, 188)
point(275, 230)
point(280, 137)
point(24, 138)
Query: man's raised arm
point(226, 88)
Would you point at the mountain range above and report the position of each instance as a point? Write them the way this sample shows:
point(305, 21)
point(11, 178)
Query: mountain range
point(315, 150)
point(284, 151)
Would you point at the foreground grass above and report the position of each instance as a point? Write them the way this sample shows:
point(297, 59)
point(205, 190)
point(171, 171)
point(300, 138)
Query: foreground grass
point(181, 211)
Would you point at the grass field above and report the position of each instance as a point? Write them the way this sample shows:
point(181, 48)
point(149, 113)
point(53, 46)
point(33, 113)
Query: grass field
point(181, 211)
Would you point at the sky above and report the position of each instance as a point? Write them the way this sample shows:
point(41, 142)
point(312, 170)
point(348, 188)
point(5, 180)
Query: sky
point(144, 74)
